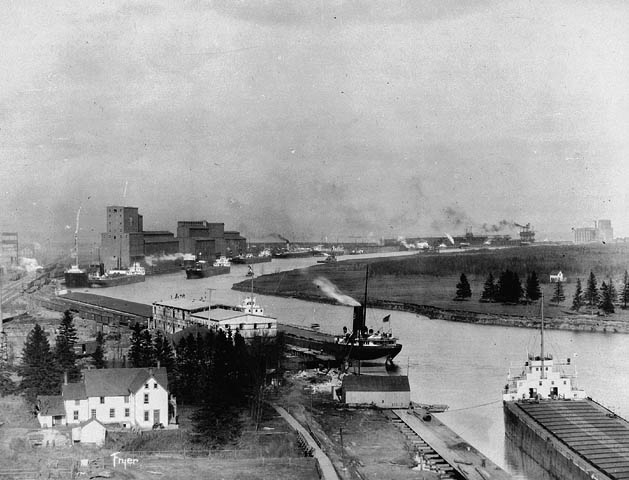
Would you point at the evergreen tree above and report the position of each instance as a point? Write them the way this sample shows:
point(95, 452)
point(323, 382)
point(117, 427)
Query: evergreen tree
point(163, 352)
point(99, 354)
point(509, 287)
point(40, 375)
point(612, 291)
point(606, 299)
point(65, 355)
point(558, 295)
point(147, 349)
point(463, 289)
point(624, 294)
point(591, 293)
point(135, 346)
point(533, 291)
point(7, 387)
point(577, 300)
point(489, 290)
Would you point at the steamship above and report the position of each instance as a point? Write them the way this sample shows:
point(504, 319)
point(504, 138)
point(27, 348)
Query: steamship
point(362, 343)
point(113, 278)
point(203, 269)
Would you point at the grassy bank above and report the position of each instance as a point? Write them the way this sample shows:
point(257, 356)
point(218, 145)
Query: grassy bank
point(430, 280)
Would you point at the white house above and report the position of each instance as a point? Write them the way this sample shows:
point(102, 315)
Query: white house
point(91, 431)
point(557, 278)
point(131, 397)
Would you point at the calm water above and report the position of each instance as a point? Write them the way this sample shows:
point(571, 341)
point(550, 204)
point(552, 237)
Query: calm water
point(462, 365)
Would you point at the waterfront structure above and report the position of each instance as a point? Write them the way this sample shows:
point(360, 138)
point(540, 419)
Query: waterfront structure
point(9, 248)
point(123, 242)
point(175, 315)
point(129, 397)
point(381, 391)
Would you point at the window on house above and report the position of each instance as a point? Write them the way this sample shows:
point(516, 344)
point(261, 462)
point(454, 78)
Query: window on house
point(102, 400)
point(76, 415)
point(126, 412)
point(146, 416)
point(112, 412)
point(146, 398)
point(93, 413)
point(155, 385)
point(540, 383)
point(126, 399)
point(146, 385)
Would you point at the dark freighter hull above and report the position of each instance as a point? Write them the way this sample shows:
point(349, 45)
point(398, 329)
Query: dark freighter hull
point(250, 260)
point(195, 273)
point(323, 344)
point(575, 439)
point(115, 281)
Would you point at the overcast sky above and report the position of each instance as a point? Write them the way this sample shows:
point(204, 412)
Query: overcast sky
point(315, 119)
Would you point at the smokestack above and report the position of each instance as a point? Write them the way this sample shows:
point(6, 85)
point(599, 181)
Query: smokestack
point(359, 320)
point(158, 364)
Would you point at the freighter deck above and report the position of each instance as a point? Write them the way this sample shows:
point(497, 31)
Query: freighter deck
point(589, 430)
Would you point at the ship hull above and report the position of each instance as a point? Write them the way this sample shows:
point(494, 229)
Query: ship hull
point(76, 279)
point(195, 273)
point(293, 254)
point(250, 261)
point(324, 343)
point(115, 281)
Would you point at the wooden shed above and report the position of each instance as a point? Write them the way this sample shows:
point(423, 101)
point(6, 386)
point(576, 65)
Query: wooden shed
point(381, 391)
point(91, 431)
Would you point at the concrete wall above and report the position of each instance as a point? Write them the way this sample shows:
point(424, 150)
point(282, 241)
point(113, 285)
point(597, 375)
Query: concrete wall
point(545, 449)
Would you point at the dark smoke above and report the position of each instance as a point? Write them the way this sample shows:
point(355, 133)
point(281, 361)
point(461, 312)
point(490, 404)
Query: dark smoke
point(501, 225)
point(277, 235)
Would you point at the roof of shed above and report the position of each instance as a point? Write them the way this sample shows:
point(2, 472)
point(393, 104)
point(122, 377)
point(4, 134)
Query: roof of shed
point(377, 383)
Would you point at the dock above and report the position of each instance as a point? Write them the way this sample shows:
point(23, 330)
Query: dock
point(443, 450)
point(582, 436)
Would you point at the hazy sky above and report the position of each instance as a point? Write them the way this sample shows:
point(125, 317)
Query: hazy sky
point(313, 119)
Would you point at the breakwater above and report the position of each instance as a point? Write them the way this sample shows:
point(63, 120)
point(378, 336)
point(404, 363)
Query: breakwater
point(574, 322)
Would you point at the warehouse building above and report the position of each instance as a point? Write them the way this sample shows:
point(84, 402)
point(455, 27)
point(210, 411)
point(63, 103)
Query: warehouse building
point(381, 391)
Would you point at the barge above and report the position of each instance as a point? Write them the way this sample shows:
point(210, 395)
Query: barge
point(554, 424)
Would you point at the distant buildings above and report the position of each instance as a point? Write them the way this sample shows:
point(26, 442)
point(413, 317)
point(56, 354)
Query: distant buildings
point(601, 232)
point(126, 241)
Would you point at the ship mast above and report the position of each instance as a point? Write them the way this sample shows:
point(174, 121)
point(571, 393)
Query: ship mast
point(76, 238)
point(365, 301)
point(542, 335)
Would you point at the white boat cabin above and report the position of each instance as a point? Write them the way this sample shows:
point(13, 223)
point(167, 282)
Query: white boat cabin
point(543, 379)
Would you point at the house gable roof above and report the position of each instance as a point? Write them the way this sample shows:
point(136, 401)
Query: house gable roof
point(376, 383)
point(74, 391)
point(50, 405)
point(112, 382)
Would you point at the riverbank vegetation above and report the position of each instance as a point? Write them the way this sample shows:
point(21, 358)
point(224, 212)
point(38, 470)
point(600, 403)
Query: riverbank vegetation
point(432, 278)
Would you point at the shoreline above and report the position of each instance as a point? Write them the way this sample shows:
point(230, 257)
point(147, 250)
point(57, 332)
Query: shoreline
point(575, 322)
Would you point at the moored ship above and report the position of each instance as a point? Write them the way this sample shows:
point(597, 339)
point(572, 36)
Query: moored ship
point(250, 258)
point(553, 423)
point(112, 278)
point(362, 343)
point(203, 269)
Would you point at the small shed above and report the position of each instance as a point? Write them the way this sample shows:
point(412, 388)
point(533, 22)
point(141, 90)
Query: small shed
point(50, 411)
point(91, 431)
point(557, 278)
point(377, 390)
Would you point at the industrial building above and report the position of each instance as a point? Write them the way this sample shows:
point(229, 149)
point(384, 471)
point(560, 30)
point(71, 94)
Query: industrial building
point(602, 231)
point(126, 242)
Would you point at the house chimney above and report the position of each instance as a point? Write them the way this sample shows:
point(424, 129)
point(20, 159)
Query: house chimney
point(158, 364)
point(65, 377)
point(151, 371)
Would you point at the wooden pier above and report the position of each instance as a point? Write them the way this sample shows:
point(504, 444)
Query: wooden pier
point(441, 448)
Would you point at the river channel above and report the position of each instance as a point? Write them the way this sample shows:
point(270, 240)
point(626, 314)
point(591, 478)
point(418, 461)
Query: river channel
point(462, 365)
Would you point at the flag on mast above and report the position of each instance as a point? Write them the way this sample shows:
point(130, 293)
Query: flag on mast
point(386, 319)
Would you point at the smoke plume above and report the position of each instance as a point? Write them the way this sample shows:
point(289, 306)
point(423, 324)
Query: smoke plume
point(151, 260)
point(330, 290)
point(501, 225)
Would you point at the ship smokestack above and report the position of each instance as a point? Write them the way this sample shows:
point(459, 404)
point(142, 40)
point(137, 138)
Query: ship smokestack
point(359, 320)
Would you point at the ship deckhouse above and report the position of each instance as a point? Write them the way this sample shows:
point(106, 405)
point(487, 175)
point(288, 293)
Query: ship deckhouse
point(543, 379)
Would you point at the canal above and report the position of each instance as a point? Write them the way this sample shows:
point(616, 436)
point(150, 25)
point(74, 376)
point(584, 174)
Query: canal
point(462, 365)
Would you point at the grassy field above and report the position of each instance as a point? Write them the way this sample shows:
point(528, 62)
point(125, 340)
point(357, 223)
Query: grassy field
point(430, 279)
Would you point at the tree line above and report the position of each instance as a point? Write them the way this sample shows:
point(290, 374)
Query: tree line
point(508, 289)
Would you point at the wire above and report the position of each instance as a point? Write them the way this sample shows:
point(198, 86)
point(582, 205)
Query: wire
point(473, 406)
